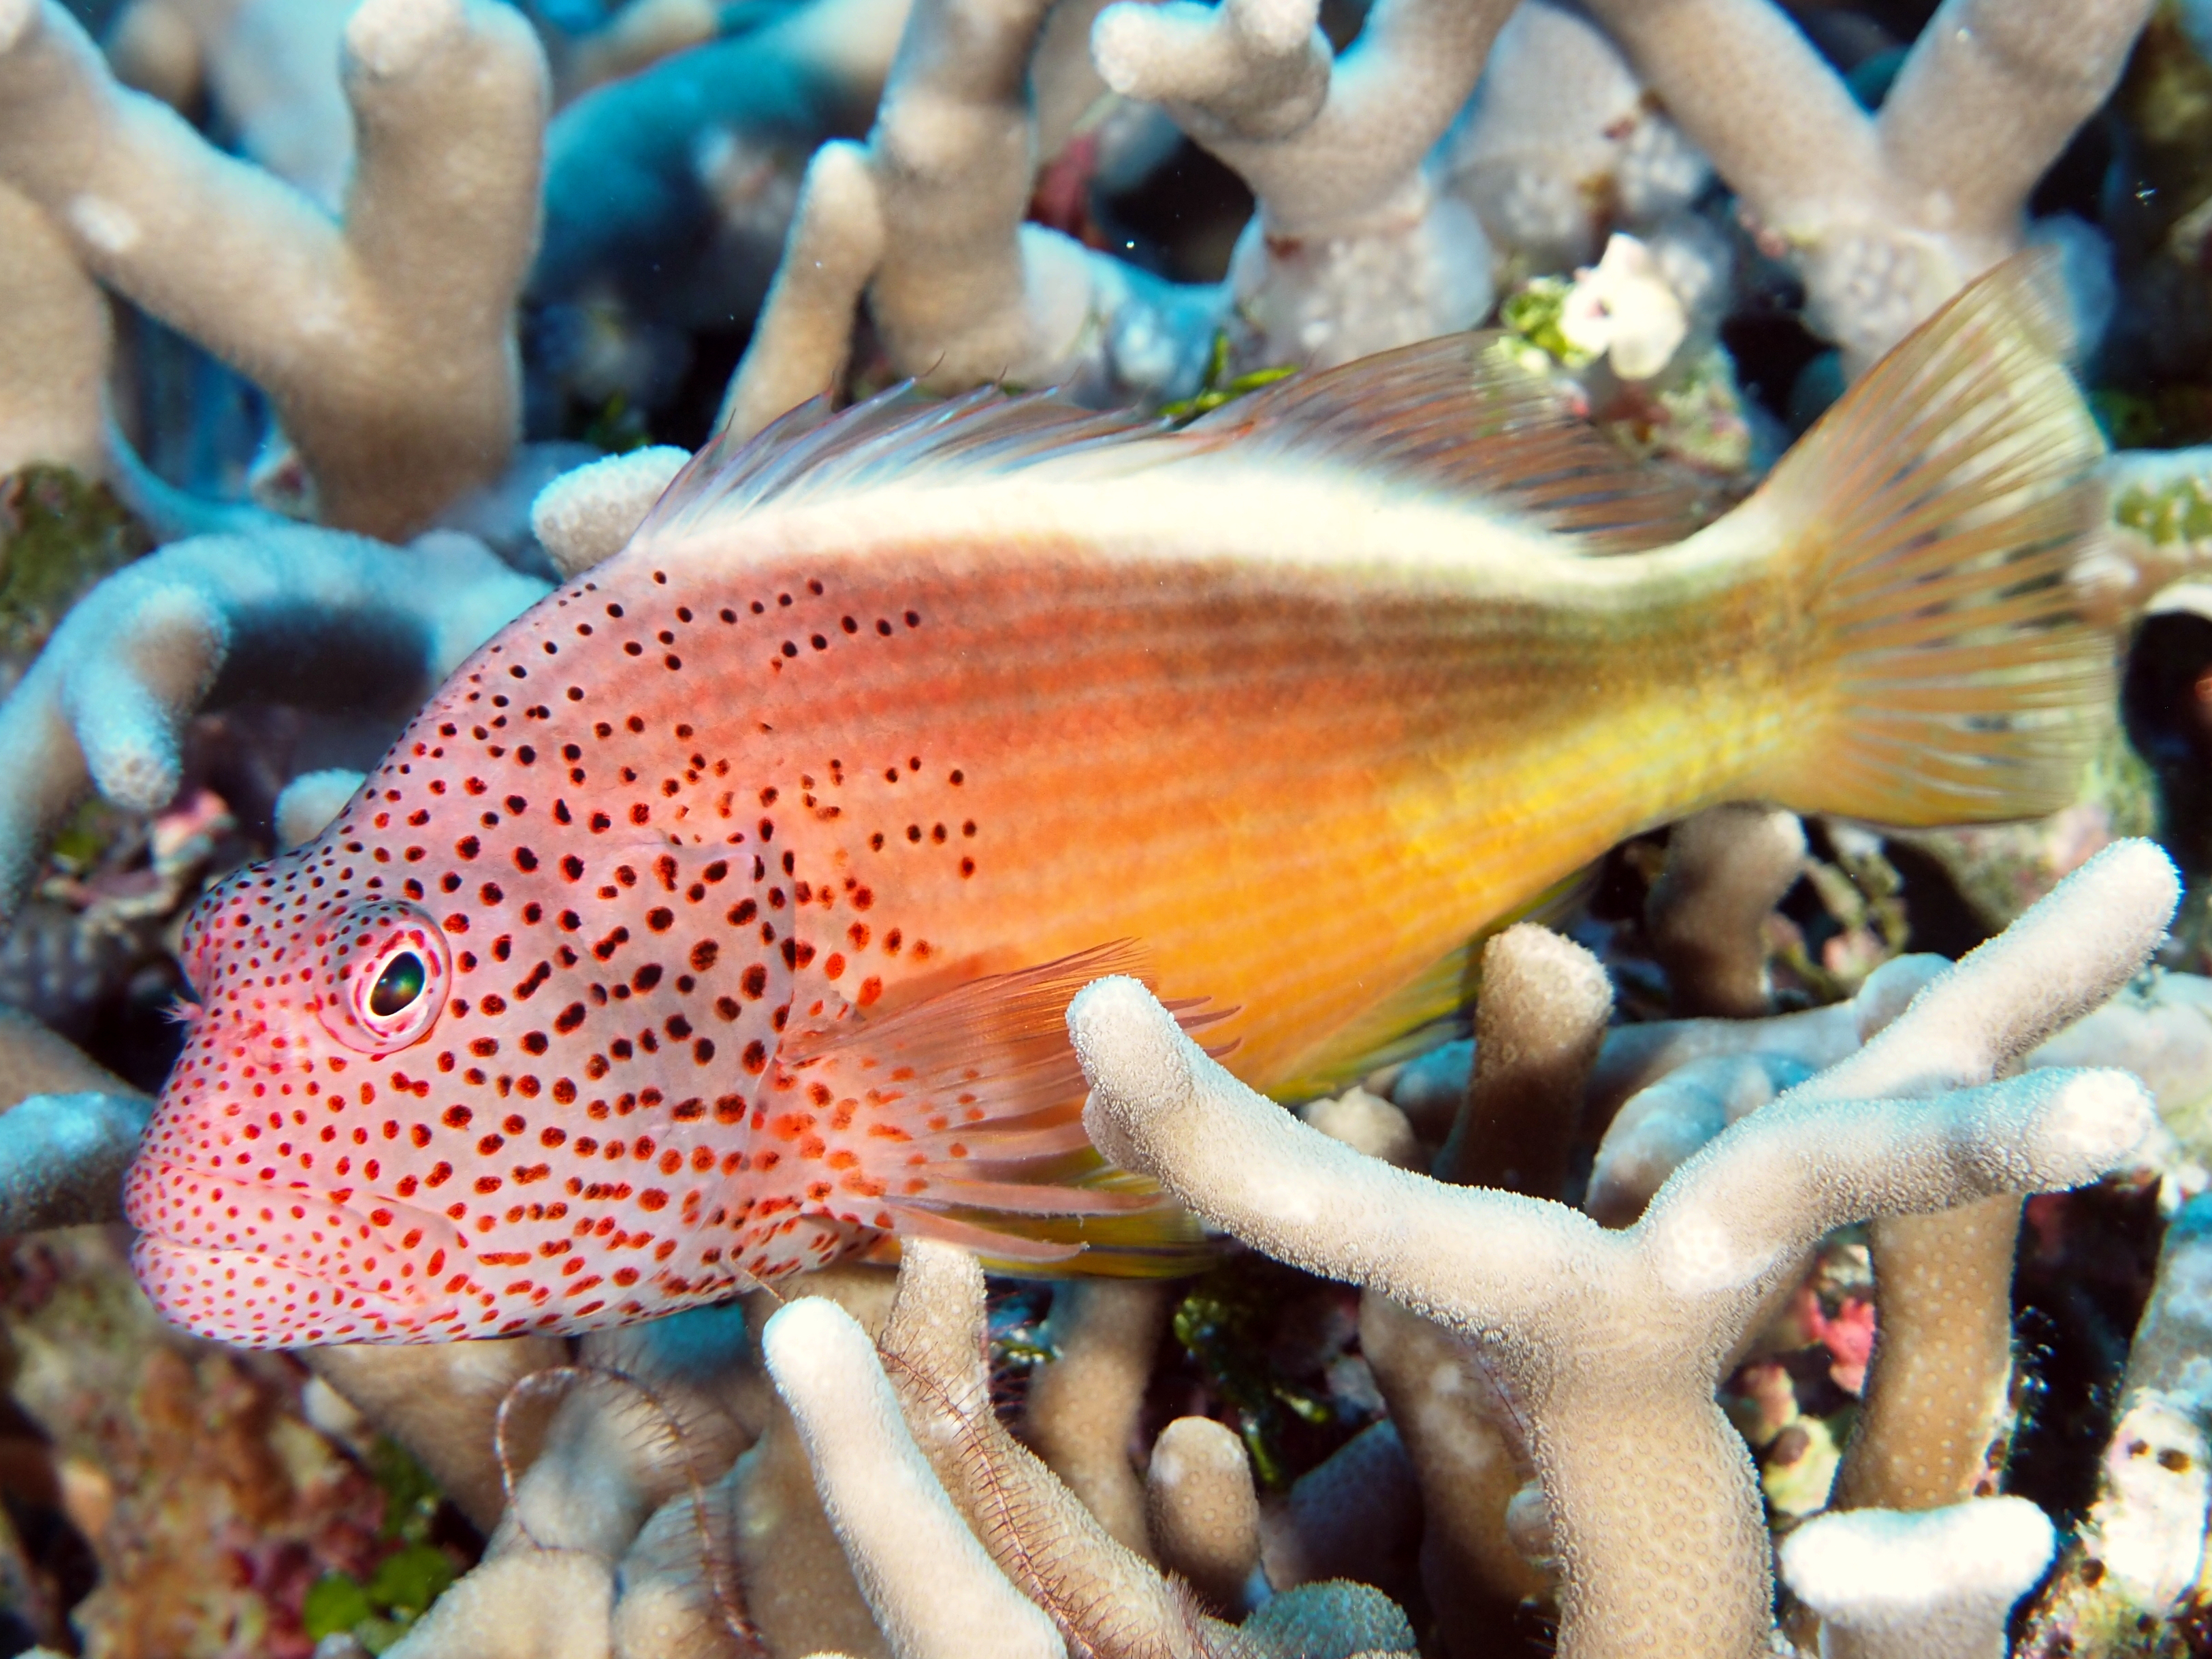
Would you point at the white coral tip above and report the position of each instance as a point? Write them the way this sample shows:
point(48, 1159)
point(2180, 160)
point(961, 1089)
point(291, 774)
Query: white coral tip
point(586, 514)
point(1879, 1570)
point(16, 17)
point(387, 38)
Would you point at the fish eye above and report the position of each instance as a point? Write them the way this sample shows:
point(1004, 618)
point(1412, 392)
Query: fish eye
point(386, 979)
point(398, 985)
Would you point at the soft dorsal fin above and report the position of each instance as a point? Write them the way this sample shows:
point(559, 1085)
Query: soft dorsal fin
point(1460, 415)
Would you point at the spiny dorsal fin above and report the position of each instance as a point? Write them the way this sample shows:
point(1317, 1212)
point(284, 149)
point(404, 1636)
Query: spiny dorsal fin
point(902, 434)
point(1460, 415)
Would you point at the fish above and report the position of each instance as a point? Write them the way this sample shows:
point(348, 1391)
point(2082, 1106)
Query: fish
point(719, 917)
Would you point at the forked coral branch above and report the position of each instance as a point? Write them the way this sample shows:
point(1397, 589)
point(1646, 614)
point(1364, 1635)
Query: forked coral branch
point(1353, 249)
point(386, 342)
point(1887, 214)
point(1655, 1512)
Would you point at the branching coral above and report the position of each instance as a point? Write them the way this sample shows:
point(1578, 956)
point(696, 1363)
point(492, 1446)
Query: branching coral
point(934, 1589)
point(676, 184)
point(443, 1403)
point(927, 216)
point(1542, 1015)
point(1203, 1514)
point(1888, 214)
point(1654, 1513)
point(1352, 248)
point(1561, 143)
point(270, 66)
point(53, 344)
point(299, 614)
point(387, 343)
point(900, 1515)
point(1726, 868)
point(1085, 1402)
point(586, 514)
point(67, 1134)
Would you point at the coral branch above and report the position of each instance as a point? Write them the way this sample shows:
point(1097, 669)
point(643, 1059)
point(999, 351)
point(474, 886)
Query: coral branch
point(1726, 868)
point(1652, 1498)
point(311, 616)
point(1888, 215)
point(387, 344)
point(1542, 1016)
point(585, 514)
point(441, 1402)
point(1204, 1513)
point(1353, 249)
point(1084, 1404)
point(53, 345)
point(804, 331)
point(934, 1590)
point(1937, 1585)
point(68, 1132)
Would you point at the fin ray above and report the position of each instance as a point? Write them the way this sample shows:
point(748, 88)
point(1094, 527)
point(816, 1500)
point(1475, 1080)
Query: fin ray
point(1460, 415)
point(1930, 522)
point(959, 1118)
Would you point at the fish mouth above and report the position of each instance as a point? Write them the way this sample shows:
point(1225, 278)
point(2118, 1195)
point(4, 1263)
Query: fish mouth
point(259, 1265)
point(256, 1299)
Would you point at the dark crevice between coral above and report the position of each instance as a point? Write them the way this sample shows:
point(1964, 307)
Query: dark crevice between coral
point(2088, 1260)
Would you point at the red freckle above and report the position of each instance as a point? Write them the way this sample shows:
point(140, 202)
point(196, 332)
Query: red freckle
point(439, 1176)
point(834, 967)
point(871, 989)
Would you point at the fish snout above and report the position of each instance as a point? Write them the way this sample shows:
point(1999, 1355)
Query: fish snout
point(246, 1262)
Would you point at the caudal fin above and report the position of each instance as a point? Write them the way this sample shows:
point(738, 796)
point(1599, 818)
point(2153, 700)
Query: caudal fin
point(1928, 524)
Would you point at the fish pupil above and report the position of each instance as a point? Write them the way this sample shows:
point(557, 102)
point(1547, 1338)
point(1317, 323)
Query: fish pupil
point(397, 986)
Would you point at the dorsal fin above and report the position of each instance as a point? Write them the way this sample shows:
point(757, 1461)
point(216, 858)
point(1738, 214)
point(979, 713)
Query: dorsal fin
point(1460, 415)
point(901, 434)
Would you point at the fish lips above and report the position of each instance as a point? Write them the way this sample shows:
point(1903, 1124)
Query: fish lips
point(260, 1266)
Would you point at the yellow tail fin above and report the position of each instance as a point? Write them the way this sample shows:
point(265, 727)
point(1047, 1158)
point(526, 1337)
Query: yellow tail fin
point(1928, 526)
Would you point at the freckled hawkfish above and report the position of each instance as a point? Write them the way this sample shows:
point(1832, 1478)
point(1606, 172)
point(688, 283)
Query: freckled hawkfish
point(718, 918)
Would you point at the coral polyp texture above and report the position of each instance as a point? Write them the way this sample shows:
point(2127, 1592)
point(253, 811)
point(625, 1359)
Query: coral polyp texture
point(1180, 828)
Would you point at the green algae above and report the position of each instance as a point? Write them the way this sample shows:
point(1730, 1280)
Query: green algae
point(402, 1586)
point(1533, 313)
point(1218, 386)
point(2176, 509)
point(60, 532)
